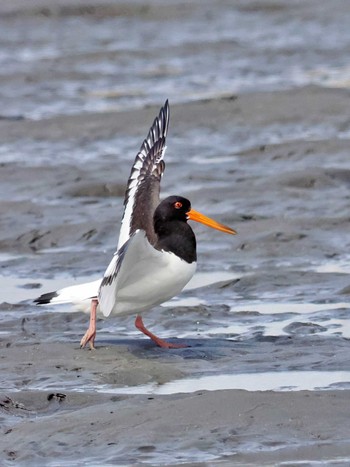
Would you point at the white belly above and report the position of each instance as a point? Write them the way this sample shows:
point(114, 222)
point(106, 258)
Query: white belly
point(151, 281)
point(142, 277)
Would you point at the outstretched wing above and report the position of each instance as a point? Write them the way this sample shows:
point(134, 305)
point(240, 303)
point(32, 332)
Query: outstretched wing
point(142, 193)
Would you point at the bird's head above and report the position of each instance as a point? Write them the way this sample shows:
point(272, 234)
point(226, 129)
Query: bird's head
point(179, 208)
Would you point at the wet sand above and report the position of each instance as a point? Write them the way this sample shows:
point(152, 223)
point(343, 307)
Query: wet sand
point(273, 164)
point(205, 428)
point(54, 416)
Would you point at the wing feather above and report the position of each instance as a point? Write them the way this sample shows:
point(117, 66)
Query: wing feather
point(108, 289)
point(107, 295)
point(142, 192)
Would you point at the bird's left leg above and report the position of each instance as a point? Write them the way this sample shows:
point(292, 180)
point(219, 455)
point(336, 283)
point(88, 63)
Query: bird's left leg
point(160, 342)
point(89, 336)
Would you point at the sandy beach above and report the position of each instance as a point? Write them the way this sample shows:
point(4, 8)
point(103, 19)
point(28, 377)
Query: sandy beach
point(262, 145)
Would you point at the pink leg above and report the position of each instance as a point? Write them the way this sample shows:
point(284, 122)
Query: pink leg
point(89, 336)
point(160, 342)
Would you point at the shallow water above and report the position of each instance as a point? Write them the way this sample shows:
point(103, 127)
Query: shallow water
point(269, 381)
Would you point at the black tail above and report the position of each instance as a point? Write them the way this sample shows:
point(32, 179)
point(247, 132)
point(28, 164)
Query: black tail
point(45, 298)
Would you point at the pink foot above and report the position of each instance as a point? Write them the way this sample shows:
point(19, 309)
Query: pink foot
point(160, 342)
point(90, 335)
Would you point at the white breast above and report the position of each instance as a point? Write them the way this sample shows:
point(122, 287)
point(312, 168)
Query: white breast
point(148, 277)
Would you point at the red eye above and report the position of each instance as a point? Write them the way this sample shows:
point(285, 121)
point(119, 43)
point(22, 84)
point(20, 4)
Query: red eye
point(177, 205)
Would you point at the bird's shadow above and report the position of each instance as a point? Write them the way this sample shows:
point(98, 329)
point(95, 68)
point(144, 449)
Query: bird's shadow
point(199, 348)
point(195, 348)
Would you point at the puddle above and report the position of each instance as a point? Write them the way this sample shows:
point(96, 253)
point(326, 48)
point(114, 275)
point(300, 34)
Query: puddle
point(271, 308)
point(203, 279)
point(339, 266)
point(272, 324)
point(334, 268)
point(267, 381)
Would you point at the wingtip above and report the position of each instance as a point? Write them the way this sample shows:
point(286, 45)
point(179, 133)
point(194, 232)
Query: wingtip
point(163, 118)
point(45, 298)
point(159, 128)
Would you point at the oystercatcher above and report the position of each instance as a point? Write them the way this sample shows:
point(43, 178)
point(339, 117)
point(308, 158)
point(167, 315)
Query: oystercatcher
point(156, 254)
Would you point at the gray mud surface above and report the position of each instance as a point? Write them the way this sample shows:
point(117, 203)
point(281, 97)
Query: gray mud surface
point(259, 139)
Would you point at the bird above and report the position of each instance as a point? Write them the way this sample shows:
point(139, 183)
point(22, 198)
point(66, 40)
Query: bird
point(156, 252)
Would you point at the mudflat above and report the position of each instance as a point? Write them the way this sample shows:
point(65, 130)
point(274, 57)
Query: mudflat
point(265, 379)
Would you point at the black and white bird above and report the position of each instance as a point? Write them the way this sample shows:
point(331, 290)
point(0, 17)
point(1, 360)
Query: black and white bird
point(156, 254)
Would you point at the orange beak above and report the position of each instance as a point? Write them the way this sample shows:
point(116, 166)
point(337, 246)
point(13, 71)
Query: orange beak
point(198, 217)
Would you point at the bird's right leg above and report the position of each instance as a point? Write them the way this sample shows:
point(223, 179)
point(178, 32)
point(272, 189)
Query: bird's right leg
point(160, 342)
point(89, 336)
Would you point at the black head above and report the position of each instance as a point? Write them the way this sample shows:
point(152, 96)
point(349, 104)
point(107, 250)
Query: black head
point(173, 208)
point(173, 232)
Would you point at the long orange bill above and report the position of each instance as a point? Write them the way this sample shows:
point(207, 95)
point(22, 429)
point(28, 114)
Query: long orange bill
point(198, 217)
